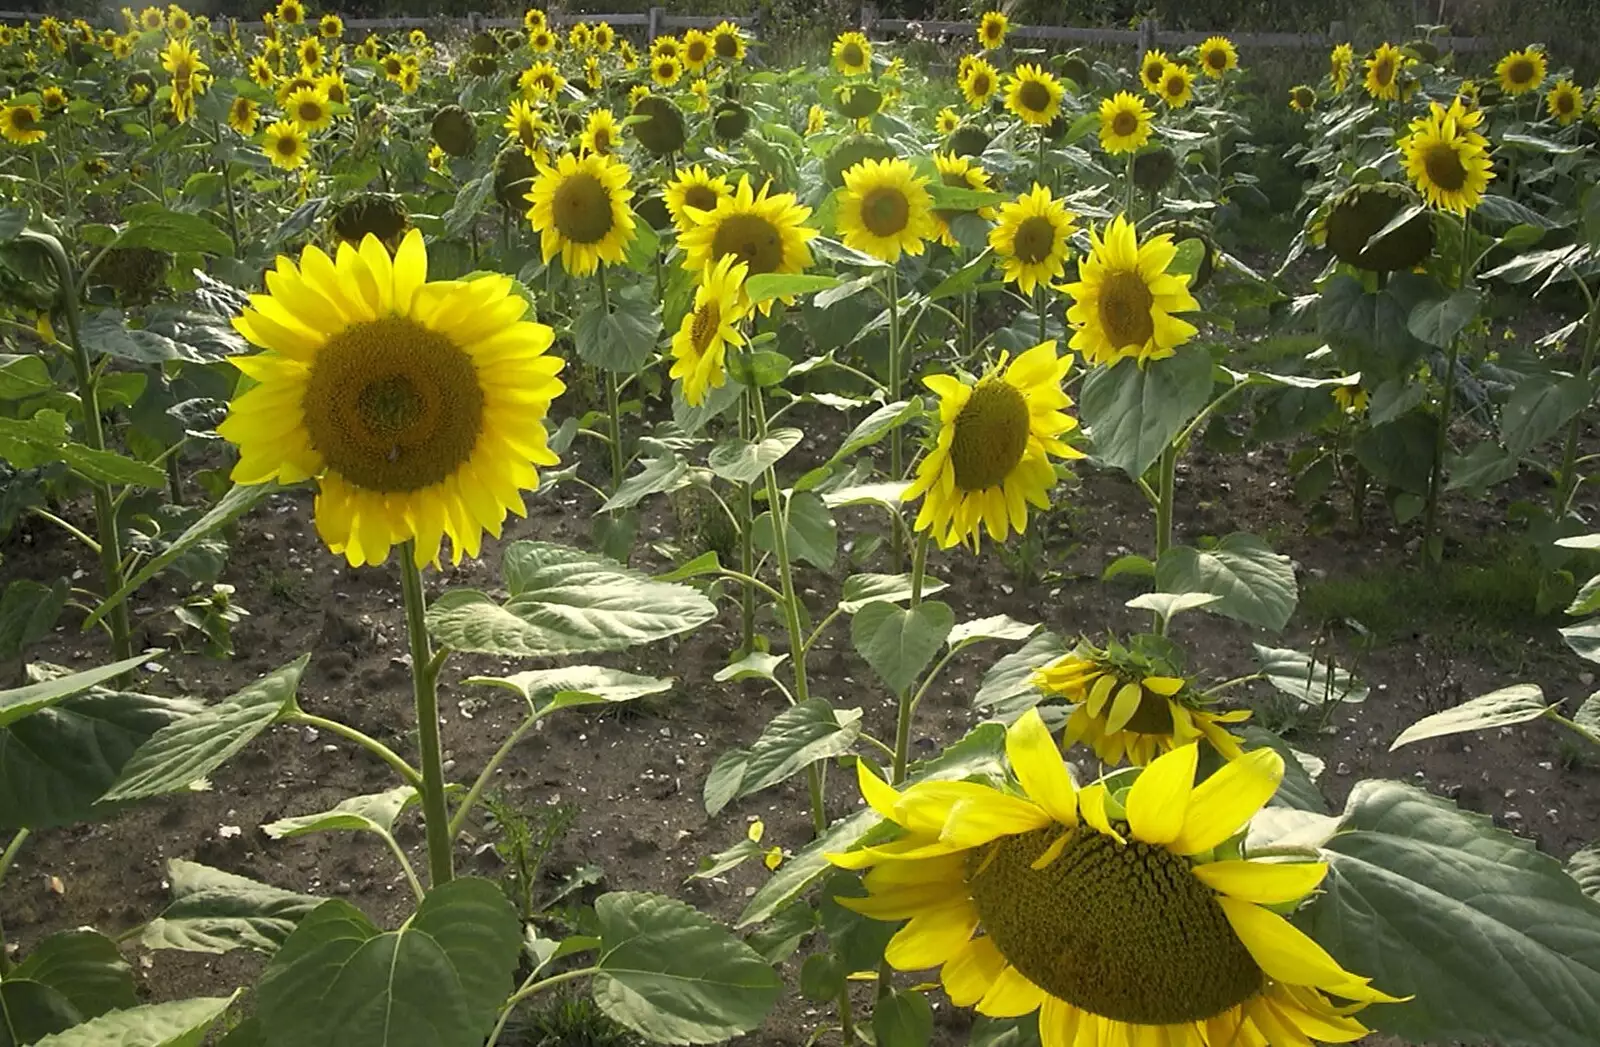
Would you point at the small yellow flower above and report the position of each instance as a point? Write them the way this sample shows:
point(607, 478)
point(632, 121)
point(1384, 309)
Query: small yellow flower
point(947, 121)
point(992, 30)
point(1218, 57)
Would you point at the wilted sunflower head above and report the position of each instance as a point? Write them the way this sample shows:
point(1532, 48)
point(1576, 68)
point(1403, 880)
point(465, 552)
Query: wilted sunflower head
point(967, 140)
point(481, 65)
point(453, 128)
point(513, 177)
point(141, 87)
point(1154, 168)
point(663, 130)
point(852, 151)
point(857, 101)
point(382, 215)
point(730, 121)
point(1356, 215)
point(135, 273)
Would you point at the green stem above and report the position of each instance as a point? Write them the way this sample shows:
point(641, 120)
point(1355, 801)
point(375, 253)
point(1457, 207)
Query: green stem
point(1167, 483)
point(1127, 204)
point(93, 435)
point(613, 405)
point(425, 680)
point(1039, 307)
point(1568, 477)
point(1441, 441)
point(529, 988)
point(919, 565)
point(227, 188)
point(905, 704)
point(44, 514)
point(896, 382)
point(6, 859)
point(1583, 732)
point(412, 776)
point(458, 821)
point(1038, 167)
point(405, 866)
point(747, 544)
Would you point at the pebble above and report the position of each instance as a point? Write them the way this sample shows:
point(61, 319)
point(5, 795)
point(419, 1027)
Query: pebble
point(312, 734)
point(1342, 770)
point(448, 766)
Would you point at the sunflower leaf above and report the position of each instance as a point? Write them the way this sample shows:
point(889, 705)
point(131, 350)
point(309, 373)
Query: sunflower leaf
point(1131, 412)
point(623, 338)
point(1255, 584)
point(178, 1023)
point(899, 643)
point(216, 912)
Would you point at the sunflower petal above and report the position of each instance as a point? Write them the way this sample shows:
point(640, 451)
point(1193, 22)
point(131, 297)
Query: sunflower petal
point(1265, 883)
point(1223, 803)
point(1159, 797)
point(1038, 765)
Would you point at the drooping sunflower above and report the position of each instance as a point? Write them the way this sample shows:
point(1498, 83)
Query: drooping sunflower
point(947, 121)
point(541, 80)
point(602, 133)
point(885, 209)
point(580, 209)
point(604, 37)
point(1115, 913)
point(285, 144)
point(959, 172)
point(992, 30)
point(1151, 66)
point(1177, 85)
point(700, 348)
point(767, 232)
point(1340, 61)
point(852, 54)
point(665, 70)
point(20, 124)
point(1446, 159)
point(291, 12)
point(1521, 71)
point(727, 42)
point(1124, 298)
point(1382, 81)
point(1131, 706)
point(309, 108)
point(980, 83)
point(1125, 123)
point(1032, 238)
point(816, 119)
point(1218, 57)
point(1034, 95)
point(991, 456)
point(524, 124)
point(1302, 98)
point(53, 99)
point(629, 57)
point(693, 187)
point(1564, 102)
point(243, 115)
point(696, 50)
point(417, 407)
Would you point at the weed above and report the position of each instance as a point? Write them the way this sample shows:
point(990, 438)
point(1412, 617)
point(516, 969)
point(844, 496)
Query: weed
point(566, 1020)
point(523, 840)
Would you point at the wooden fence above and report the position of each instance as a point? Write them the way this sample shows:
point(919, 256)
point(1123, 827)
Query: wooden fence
point(656, 23)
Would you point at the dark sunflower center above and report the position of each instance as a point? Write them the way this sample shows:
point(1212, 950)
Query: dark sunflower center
point(393, 406)
point(1175, 86)
point(1125, 303)
point(726, 46)
point(1444, 167)
point(1034, 96)
point(1520, 71)
point(707, 320)
point(582, 208)
point(1565, 103)
point(752, 239)
point(1035, 239)
point(1217, 59)
point(602, 140)
point(1152, 72)
point(700, 197)
point(696, 52)
point(992, 31)
point(310, 111)
point(1122, 931)
point(1154, 715)
point(885, 211)
point(288, 145)
point(991, 433)
point(851, 55)
point(1124, 123)
point(1383, 72)
point(980, 84)
point(23, 119)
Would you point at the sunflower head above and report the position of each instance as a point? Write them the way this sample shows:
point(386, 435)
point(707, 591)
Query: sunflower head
point(1340, 59)
point(1302, 98)
point(481, 65)
point(243, 114)
point(662, 130)
point(1383, 73)
point(852, 54)
point(693, 188)
point(1565, 102)
point(1217, 57)
point(979, 83)
point(1154, 169)
point(483, 42)
point(1446, 159)
point(857, 101)
point(1359, 213)
point(1034, 95)
point(851, 151)
point(285, 144)
point(1151, 66)
point(1125, 123)
point(699, 349)
point(580, 208)
point(141, 87)
point(666, 70)
point(454, 129)
point(513, 176)
point(959, 172)
point(137, 274)
point(967, 140)
point(730, 121)
point(885, 209)
point(381, 215)
point(53, 99)
point(330, 26)
point(764, 230)
point(1125, 298)
point(1032, 238)
point(20, 124)
point(727, 42)
point(309, 108)
point(1177, 85)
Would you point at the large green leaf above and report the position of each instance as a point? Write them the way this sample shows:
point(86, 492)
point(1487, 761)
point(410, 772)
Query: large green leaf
point(1132, 412)
point(903, 1018)
point(859, 590)
point(766, 286)
point(179, 755)
point(745, 461)
point(180, 1023)
point(674, 975)
point(1539, 407)
point(565, 601)
point(85, 967)
point(1007, 689)
point(215, 912)
point(622, 339)
point(1584, 868)
point(109, 467)
point(22, 377)
point(1255, 584)
point(813, 534)
point(30, 1011)
point(665, 472)
point(1438, 321)
point(1495, 941)
point(899, 643)
point(794, 740)
point(1398, 454)
point(546, 690)
point(152, 225)
point(28, 611)
point(29, 699)
point(478, 930)
point(373, 812)
point(1506, 707)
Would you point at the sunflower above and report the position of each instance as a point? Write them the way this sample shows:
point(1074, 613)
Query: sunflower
point(579, 37)
point(1125, 123)
point(152, 18)
point(260, 71)
point(542, 40)
point(243, 114)
point(1114, 912)
point(182, 60)
point(992, 30)
point(285, 144)
point(629, 57)
point(991, 457)
point(766, 232)
point(665, 70)
point(417, 407)
point(1151, 68)
point(1218, 57)
point(293, 84)
point(1446, 159)
point(367, 50)
point(852, 54)
point(699, 349)
point(291, 12)
point(1031, 238)
point(178, 21)
point(959, 172)
point(1340, 60)
point(727, 42)
point(309, 51)
point(20, 124)
point(1383, 73)
point(885, 209)
point(601, 133)
point(666, 47)
point(1352, 399)
point(53, 99)
point(309, 109)
point(1521, 71)
point(947, 121)
point(1124, 298)
point(693, 187)
point(534, 19)
point(541, 80)
point(1177, 85)
point(604, 37)
point(696, 50)
point(1132, 706)
point(580, 209)
point(980, 83)
point(272, 51)
point(1034, 95)
point(524, 124)
point(1565, 102)
point(816, 119)
point(410, 79)
point(1302, 98)
point(122, 48)
point(417, 37)
point(333, 86)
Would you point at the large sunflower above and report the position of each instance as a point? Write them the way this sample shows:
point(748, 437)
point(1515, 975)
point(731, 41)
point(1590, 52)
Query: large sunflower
point(1218, 57)
point(1521, 71)
point(1034, 95)
point(766, 232)
point(1340, 60)
point(959, 172)
point(1131, 706)
point(852, 54)
point(727, 42)
point(417, 407)
point(696, 50)
point(1383, 73)
point(580, 209)
point(693, 187)
point(602, 132)
point(992, 30)
point(20, 124)
point(700, 348)
point(285, 144)
point(1151, 66)
point(666, 47)
point(1446, 159)
point(1031, 238)
point(1124, 298)
point(1177, 85)
point(1565, 102)
point(541, 80)
point(1113, 912)
point(309, 109)
point(991, 458)
point(885, 209)
point(524, 124)
point(1125, 123)
point(980, 83)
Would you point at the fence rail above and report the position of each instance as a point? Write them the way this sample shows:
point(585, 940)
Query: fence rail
point(655, 23)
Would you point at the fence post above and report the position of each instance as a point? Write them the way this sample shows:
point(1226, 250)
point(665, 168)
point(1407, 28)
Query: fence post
point(869, 16)
point(654, 29)
point(1148, 28)
point(472, 22)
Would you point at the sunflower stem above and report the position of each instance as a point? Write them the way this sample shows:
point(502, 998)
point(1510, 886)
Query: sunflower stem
point(896, 381)
point(227, 188)
point(747, 545)
point(425, 690)
point(6, 859)
point(1432, 543)
point(1039, 307)
point(613, 400)
point(1568, 477)
point(1127, 206)
point(1166, 490)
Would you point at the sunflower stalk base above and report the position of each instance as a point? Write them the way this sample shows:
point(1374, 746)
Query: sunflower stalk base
point(425, 667)
point(1567, 478)
point(1432, 541)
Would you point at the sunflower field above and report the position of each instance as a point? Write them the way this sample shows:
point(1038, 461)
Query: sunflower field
point(538, 535)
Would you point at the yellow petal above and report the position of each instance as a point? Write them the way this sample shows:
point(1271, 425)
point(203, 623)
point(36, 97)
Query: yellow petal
point(977, 821)
point(1011, 996)
point(1123, 707)
point(1287, 954)
point(971, 973)
point(1058, 1023)
point(1092, 805)
point(1159, 797)
point(1100, 692)
point(1265, 883)
point(932, 937)
point(410, 270)
point(1223, 803)
point(1038, 765)
point(880, 796)
point(1165, 686)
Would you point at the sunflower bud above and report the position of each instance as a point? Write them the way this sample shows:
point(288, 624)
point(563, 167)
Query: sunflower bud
point(663, 131)
point(454, 130)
